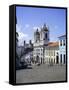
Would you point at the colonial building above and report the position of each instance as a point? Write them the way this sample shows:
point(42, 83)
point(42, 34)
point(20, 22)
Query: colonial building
point(62, 49)
point(51, 53)
point(41, 39)
point(45, 51)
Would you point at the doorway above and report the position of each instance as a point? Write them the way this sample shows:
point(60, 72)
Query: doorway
point(57, 59)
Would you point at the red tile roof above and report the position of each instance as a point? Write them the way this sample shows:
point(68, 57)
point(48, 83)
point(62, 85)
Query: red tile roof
point(53, 44)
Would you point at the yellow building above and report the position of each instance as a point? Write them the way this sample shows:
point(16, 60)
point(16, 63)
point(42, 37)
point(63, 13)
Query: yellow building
point(52, 53)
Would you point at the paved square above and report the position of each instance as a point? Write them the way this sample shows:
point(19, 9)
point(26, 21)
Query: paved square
point(42, 73)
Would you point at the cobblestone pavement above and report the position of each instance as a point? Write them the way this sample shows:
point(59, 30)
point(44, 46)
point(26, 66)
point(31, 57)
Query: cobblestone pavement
point(42, 73)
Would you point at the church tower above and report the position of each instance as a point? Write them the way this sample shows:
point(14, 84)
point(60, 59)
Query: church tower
point(37, 36)
point(44, 34)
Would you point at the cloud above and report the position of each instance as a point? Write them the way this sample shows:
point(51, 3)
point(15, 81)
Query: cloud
point(19, 27)
point(22, 37)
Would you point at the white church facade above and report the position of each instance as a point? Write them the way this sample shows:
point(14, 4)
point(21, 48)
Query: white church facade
point(41, 39)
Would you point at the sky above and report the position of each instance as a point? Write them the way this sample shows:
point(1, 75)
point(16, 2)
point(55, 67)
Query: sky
point(29, 19)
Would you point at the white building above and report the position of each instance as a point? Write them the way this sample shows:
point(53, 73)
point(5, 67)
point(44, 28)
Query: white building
point(41, 39)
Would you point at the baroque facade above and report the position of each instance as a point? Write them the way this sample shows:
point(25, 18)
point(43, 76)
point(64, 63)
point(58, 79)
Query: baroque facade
point(41, 39)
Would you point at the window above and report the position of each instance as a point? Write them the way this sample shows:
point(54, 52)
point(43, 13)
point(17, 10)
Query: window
point(60, 58)
point(60, 42)
point(54, 53)
point(64, 42)
point(57, 59)
point(54, 60)
point(46, 35)
point(64, 59)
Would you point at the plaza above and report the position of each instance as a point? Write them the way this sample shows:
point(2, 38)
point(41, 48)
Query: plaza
point(42, 73)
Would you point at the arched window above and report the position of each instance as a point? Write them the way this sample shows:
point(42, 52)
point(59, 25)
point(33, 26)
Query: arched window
point(60, 42)
point(64, 42)
point(46, 35)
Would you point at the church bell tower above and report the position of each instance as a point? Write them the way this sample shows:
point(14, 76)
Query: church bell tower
point(45, 34)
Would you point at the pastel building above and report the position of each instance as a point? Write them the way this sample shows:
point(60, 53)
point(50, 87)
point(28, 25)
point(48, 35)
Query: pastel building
point(52, 53)
point(62, 49)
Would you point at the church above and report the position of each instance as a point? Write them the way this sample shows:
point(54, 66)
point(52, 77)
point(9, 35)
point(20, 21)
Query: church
point(41, 39)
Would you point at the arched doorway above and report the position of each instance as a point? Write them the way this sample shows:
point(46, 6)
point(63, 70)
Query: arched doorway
point(61, 58)
point(64, 59)
point(57, 59)
point(37, 59)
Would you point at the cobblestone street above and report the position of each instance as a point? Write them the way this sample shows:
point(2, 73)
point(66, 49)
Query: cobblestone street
point(42, 73)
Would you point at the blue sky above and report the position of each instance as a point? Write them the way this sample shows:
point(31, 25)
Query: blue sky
point(28, 19)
